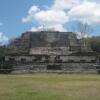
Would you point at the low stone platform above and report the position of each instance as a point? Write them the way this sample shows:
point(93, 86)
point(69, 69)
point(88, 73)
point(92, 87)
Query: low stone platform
point(56, 68)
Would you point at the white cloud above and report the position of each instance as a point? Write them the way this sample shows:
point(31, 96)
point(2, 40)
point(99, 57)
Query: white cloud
point(51, 17)
point(36, 28)
point(65, 4)
point(86, 12)
point(57, 27)
point(3, 39)
point(64, 11)
point(34, 9)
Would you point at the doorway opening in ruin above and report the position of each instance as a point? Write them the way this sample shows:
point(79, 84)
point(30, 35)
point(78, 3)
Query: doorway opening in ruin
point(11, 59)
point(23, 60)
point(54, 67)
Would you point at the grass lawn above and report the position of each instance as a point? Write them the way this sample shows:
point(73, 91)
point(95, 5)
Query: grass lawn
point(49, 87)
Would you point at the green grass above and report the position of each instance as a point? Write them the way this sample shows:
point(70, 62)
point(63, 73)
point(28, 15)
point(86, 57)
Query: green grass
point(50, 87)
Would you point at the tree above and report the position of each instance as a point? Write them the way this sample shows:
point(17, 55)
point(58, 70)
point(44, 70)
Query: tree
point(95, 44)
point(3, 50)
point(82, 30)
point(2, 54)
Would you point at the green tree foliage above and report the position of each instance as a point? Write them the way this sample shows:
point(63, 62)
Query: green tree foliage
point(95, 44)
point(3, 50)
point(3, 65)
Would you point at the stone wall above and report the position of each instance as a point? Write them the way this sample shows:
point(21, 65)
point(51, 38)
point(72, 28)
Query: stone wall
point(52, 63)
point(64, 68)
point(30, 42)
point(50, 50)
point(51, 58)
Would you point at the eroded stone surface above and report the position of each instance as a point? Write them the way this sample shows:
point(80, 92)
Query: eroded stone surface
point(48, 51)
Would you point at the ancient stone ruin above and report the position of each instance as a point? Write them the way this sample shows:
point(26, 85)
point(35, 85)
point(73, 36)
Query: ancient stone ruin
point(50, 51)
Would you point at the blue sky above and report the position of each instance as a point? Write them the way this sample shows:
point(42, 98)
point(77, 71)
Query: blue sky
point(18, 16)
point(11, 14)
